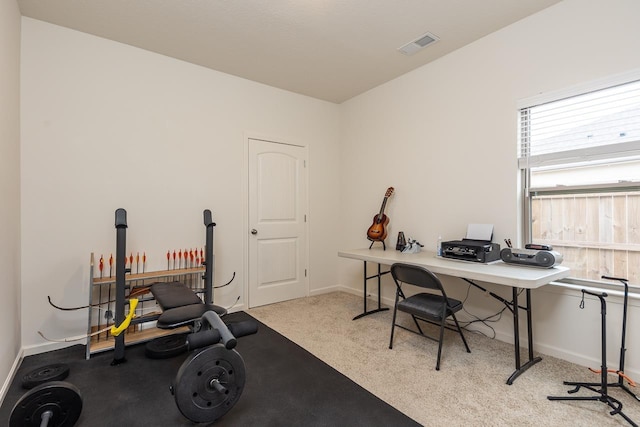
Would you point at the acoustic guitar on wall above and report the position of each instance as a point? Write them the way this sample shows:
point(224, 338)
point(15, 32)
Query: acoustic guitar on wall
point(378, 232)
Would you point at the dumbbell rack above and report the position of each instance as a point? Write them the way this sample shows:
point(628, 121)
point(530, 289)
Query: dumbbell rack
point(101, 290)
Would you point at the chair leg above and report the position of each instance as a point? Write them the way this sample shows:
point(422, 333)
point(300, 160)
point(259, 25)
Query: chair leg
point(393, 322)
point(460, 332)
point(440, 342)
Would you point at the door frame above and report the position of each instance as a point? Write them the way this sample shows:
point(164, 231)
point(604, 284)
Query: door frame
point(245, 208)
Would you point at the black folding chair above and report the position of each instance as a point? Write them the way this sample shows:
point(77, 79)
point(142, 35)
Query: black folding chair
point(432, 307)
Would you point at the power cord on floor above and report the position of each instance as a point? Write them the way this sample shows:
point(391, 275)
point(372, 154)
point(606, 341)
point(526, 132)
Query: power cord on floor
point(493, 318)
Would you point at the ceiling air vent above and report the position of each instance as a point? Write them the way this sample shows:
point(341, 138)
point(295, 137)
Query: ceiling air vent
point(420, 43)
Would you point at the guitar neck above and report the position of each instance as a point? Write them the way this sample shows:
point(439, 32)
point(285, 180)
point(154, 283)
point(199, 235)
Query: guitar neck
point(384, 203)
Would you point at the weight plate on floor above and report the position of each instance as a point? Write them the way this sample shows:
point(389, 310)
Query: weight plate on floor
point(62, 400)
point(44, 374)
point(166, 347)
point(209, 383)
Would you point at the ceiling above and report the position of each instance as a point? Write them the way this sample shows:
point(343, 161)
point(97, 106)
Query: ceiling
point(327, 49)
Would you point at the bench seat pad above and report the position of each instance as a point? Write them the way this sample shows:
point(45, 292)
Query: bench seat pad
point(173, 294)
point(186, 315)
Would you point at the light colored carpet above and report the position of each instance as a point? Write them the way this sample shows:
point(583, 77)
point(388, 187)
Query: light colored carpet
point(468, 390)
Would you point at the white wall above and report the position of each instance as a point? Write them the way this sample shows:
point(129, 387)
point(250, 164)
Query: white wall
point(9, 186)
point(105, 125)
point(445, 137)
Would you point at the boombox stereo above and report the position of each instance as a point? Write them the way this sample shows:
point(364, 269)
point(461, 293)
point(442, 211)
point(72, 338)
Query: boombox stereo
point(531, 257)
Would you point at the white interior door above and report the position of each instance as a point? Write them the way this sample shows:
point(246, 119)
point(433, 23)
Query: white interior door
point(277, 232)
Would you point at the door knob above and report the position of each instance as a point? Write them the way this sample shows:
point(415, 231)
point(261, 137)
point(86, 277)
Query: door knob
point(254, 231)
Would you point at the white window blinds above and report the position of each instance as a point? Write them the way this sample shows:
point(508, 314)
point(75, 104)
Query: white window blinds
point(598, 125)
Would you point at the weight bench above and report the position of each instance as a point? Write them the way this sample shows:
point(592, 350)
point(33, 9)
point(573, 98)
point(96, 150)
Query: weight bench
point(211, 379)
point(181, 305)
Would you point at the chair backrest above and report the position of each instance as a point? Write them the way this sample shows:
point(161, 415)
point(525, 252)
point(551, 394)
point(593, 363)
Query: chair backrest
point(417, 276)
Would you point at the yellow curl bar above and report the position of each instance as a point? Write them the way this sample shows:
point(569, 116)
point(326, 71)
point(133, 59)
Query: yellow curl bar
point(133, 303)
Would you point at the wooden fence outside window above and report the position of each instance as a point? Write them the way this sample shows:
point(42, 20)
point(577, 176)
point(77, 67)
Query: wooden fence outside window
point(597, 234)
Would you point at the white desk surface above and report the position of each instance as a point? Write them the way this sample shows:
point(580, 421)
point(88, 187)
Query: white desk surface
point(497, 272)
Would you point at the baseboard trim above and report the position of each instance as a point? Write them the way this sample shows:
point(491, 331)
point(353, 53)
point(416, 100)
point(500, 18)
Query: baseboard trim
point(358, 292)
point(328, 289)
point(582, 360)
point(48, 346)
point(12, 373)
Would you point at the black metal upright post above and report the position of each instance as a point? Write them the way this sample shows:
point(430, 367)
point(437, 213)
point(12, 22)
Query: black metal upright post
point(208, 256)
point(620, 383)
point(121, 250)
point(516, 328)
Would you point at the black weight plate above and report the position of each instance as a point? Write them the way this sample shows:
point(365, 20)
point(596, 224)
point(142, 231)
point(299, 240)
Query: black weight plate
point(166, 347)
point(44, 374)
point(209, 383)
point(62, 399)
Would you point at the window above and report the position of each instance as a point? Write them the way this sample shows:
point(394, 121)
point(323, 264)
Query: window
point(579, 158)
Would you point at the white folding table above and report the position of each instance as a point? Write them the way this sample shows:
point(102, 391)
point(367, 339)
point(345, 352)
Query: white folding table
point(516, 277)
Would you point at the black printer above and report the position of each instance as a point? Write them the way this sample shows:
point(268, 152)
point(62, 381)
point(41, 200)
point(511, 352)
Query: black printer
point(471, 250)
point(476, 246)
